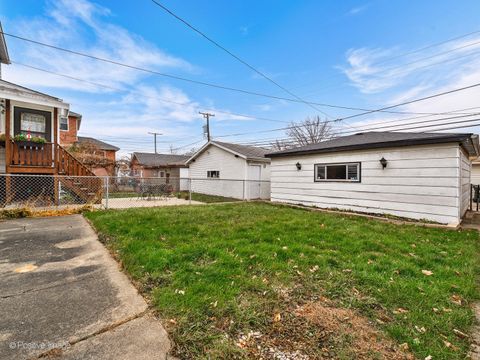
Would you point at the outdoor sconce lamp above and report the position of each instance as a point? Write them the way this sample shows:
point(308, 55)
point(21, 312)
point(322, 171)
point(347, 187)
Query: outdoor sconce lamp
point(383, 161)
point(299, 166)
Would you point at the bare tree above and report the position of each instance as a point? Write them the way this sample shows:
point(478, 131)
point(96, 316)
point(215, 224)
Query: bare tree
point(310, 131)
point(191, 151)
point(173, 150)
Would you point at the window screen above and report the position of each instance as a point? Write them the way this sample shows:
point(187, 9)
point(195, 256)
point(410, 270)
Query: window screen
point(64, 123)
point(337, 172)
point(33, 123)
point(213, 174)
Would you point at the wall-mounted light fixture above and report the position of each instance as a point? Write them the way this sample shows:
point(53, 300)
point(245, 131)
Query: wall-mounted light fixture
point(299, 166)
point(384, 162)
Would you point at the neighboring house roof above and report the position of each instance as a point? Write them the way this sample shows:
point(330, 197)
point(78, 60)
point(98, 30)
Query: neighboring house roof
point(100, 144)
point(243, 151)
point(74, 114)
point(13, 91)
point(159, 160)
point(4, 58)
point(373, 140)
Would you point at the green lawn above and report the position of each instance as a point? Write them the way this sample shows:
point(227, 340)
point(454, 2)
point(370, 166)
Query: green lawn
point(219, 272)
point(124, 194)
point(205, 198)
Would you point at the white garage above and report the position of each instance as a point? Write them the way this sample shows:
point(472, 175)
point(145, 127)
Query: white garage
point(230, 170)
point(424, 176)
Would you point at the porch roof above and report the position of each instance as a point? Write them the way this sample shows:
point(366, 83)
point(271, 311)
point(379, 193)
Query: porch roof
point(17, 92)
point(4, 58)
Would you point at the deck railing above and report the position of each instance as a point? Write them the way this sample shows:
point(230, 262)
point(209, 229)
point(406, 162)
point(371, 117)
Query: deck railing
point(24, 153)
point(47, 155)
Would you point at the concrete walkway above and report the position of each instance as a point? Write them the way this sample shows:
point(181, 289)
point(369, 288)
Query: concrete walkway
point(63, 296)
point(133, 202)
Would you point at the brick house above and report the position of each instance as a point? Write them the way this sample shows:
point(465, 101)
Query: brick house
point(105, 155)
point(158, 165)
point(69, 127)
point(161, 168)
point(97, 155)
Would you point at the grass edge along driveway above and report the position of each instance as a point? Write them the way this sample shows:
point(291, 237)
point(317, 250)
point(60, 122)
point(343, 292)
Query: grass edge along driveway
point(227, 275)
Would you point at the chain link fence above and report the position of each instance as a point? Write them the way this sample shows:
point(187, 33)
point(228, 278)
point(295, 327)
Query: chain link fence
point(56, 191)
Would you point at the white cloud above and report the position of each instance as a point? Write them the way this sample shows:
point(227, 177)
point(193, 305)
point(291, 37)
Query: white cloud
point(358, 9)
point(375, 70)
point(83, 26)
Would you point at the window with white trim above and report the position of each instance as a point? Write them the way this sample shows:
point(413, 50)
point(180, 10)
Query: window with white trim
point(35, 124)
point(64, 123)
point(349, 172)
point(215, 174)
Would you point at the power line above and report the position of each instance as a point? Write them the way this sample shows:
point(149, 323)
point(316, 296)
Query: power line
point(293, 142)
point(153, 72)
point(375, 128)
point(388, 107)
point(236, 57)
point(409, 53)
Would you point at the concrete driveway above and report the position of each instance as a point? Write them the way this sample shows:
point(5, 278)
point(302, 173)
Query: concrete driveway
point(63, 296)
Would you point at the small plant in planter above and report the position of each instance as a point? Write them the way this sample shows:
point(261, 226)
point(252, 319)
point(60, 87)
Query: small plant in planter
point(35, 142)
point(33, 139)
point(3, 137)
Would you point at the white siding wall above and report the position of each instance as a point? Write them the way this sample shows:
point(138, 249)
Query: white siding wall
point(232, 169)
point(184, 174)
point(475, 177)
point(465, 167)
point(420, 182)
point(263, 184)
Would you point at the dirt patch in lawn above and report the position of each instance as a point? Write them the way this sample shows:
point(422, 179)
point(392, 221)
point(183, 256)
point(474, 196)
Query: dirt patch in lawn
point(362, 339)
point(319, 330)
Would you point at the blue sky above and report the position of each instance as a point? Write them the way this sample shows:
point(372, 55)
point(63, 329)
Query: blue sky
point(345, 53)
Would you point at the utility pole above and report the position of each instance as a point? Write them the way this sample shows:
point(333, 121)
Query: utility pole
point(155, 139)
point(207, 115)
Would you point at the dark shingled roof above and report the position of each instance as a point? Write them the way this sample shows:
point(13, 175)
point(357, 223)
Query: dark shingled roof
point(372, 140)
point(153, 160)
point(100, 144)
point(250, 152)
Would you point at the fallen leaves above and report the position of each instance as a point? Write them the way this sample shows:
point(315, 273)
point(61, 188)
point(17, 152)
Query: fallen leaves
point(400, 311)
point(456, 299)
point(277, 317)
point(180, 292)
point(427, 272)
point(421, 330)
point(460, 334)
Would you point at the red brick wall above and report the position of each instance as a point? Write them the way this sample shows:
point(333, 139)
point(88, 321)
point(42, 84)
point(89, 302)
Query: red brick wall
point(70, 136)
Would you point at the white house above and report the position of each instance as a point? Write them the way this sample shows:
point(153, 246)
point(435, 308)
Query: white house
point(424, 176)
point(476, 171)
point(230, 170)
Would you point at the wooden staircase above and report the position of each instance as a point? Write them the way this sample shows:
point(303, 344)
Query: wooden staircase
point(53, 159)
point(77, 178)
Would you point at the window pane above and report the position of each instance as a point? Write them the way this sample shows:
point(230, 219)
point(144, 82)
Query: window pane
point(63, 123)
point(321, 172)
point(33, 122)
point(353, 172)
point(336, 172)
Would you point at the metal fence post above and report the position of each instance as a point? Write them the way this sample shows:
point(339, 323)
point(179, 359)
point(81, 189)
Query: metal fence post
point(190, 191)
point(106, 192)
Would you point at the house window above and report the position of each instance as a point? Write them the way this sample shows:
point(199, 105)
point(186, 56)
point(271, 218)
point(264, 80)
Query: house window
point(338, 172)
point(36, 124)
point(213, 174)
point(64, 123)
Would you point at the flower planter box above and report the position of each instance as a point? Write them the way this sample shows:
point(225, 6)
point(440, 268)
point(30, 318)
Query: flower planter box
point(30, 144)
